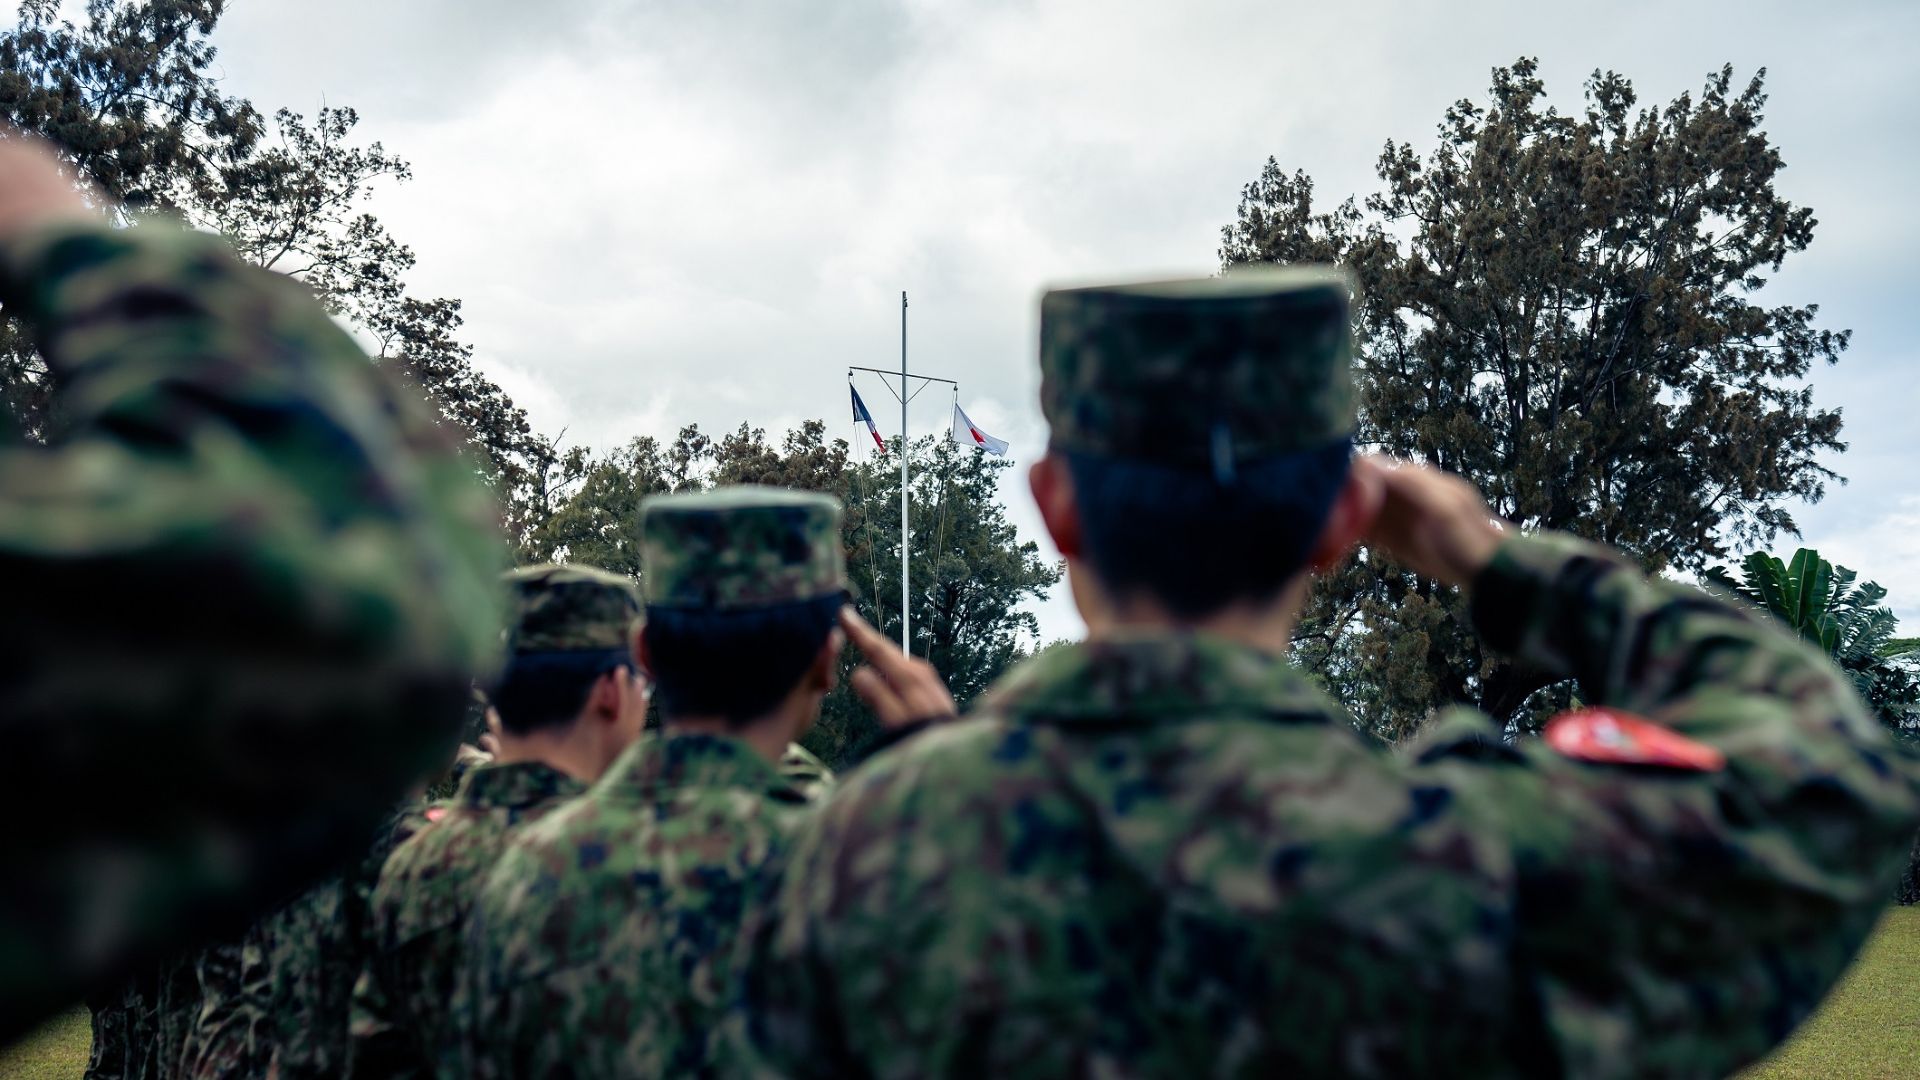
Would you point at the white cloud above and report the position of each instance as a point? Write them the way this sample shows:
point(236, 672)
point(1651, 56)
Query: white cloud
point(1885, 549)
point(669, 213)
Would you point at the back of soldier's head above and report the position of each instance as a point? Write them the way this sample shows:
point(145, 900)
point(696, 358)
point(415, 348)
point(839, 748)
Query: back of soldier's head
point(571, 625)
point(743, 586)
point(1206, 424)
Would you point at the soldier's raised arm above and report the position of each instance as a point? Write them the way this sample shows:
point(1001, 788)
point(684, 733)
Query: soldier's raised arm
point(1698, 853)
point(248, 581)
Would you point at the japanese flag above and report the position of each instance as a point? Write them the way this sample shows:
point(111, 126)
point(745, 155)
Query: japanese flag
point(967, 433)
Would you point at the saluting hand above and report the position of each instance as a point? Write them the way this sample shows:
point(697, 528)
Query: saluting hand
point(33, 189)
point(1431, 521)
point(901, 690)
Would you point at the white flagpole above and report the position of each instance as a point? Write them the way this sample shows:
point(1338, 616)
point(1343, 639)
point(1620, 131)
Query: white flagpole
point(905, 640)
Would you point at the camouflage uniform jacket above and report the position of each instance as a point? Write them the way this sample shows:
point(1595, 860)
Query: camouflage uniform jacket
point(277, 999)
point(806, 773)
point(118, 1014)
point(139, 1026)
point(1171, 855)
point(604, 941)
point(222, 450)
point(228, 1037)
point(405, 997)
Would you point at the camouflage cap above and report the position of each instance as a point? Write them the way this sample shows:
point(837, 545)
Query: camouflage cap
point(568, 608)
point(740, 547)
point(1207, 372)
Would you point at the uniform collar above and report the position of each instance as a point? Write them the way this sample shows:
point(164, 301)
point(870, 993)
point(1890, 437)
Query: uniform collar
point(669, 761)
point(514, 786)
point(1140, 677)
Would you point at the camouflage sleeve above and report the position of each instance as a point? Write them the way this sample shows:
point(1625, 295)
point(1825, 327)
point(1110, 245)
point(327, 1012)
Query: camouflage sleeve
point(228, 1037)
point(1676, 921)
point(249, 582)
point(379, 1044)
point(107, 1055)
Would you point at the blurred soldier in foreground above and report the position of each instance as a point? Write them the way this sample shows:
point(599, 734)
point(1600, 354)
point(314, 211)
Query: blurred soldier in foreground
point(603, 941)
point(569, 702)
point(140, 1024)
point(1164, 852)
point(303, 568)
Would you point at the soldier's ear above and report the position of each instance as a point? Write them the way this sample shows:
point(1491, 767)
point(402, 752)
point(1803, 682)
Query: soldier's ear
point(1053, 492)
point(604, 698)
point(1352, 515)
point(824, 675)
point(643, 653)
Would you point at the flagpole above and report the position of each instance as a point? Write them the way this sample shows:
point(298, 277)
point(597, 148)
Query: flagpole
point(906, 645)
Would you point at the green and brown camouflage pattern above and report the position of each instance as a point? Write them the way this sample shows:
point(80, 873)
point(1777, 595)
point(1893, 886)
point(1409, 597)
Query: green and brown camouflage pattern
point(1207, 373)
point(121, 1021)
point(571, 608)
point(278, 998)
point(140, 1024)
point(404, 1005)
point(805, 773)
point(303, 570)
point(739, 547)
point(1167, 854)
point(605, 939)
point(318, 947)
point(230, 1037)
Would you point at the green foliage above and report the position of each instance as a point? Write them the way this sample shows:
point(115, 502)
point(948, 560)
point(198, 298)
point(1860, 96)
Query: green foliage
point(1841, 616)
point(970, 572)
point(129, 98)
point(1561, 309)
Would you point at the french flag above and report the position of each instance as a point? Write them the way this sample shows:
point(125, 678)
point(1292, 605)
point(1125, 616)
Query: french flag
point(967, 433)
point(862, 416)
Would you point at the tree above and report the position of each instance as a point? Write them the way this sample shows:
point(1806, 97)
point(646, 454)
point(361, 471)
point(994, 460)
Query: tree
point(971, 574)
point(128, 100)
point(1823, 604)
point(1843, 618)
point(1561, 309)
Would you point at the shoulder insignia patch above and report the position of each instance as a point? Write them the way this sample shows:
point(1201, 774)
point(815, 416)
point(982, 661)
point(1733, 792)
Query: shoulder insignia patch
point(1612, 737)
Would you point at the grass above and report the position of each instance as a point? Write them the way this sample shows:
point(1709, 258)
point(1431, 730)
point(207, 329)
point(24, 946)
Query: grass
point(1869, 1029)
point(58, 1051)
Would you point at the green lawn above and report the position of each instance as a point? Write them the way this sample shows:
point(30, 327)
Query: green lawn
point(1868, 1030)
point(55, 1052)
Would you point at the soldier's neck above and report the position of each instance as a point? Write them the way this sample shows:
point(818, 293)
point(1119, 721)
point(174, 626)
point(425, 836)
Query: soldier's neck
point(768, 735)
point(555, 750)
point(1267, 626)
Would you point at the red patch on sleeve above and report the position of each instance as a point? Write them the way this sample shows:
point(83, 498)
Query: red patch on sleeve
point(435, 813)
point(1612, 737)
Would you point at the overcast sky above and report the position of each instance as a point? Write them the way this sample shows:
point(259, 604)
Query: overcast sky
point(704, 210)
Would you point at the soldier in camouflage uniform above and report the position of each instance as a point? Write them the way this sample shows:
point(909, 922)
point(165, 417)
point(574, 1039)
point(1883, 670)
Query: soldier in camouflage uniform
point(570, 703)
point(1165, 852)
point(602, 943)
point(277, 1000)
point(139, 1026)
point(115, 1013)
point(229, 1036)
point(311, 565)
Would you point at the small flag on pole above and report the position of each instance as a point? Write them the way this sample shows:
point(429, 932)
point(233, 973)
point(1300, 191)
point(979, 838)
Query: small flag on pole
point(967, 433)
point(862, 416)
